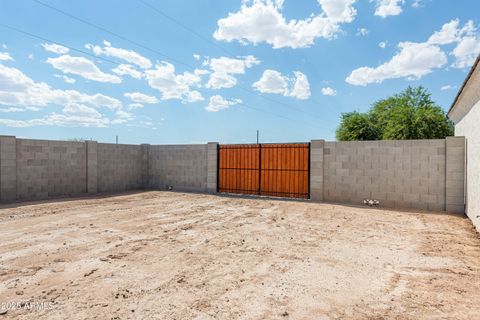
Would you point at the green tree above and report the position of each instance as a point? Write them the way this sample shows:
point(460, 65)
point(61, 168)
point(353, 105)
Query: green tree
point(411, 114)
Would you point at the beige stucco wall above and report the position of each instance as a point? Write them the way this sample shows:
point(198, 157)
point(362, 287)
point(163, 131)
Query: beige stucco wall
point(469, 127)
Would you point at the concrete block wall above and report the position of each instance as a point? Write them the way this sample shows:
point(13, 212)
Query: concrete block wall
point(316, 169)
point(92, 167)
point(417, 174)
point(212, 159)
point(183, 167)
point(8, 169)
point(455, 175)
point(49, 168)
point(119, 167)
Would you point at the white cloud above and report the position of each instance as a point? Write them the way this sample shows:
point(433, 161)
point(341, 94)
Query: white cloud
point(31, 56)
point(340, 11)
point(446, 87)
point(173, 85)
point(82, 67)
point(448, 34)
point(65, 78)
point(262, 21)
point(327, 91)
point(196, 56)
point(73, 115)
point(218, 103)
point(18, 90)
point(417, 3)
point(133, 106)
point(128, 69)
point(12, 109)
point(273, 81)
point(362, 32)
point(128, 55)
point(55, 48)
point(385, 8)
point(4, 56)
point(301, 87)
point(466, 52)
point(413, 61)
point(382, 44)
point(141, 97)
point(224, 68)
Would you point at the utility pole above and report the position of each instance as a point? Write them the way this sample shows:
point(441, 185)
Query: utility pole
point(116, 139)
point(257, 136)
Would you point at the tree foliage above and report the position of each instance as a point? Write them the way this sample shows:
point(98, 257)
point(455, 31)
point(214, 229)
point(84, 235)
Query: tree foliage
point(411, 114)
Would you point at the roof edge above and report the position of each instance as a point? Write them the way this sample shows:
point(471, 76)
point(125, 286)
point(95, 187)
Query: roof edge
point(475, 64)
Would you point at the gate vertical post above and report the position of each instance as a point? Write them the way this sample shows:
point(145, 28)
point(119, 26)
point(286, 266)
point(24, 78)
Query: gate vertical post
point(259, 169)
point(316, 169)
point(212, 167)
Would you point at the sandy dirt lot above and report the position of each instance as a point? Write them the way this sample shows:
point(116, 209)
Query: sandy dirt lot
point(161, 255)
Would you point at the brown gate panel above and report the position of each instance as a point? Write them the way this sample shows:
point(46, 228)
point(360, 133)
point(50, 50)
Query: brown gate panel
point(279, 170)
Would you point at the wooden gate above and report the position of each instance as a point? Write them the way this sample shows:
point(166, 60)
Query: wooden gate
point(278, 170)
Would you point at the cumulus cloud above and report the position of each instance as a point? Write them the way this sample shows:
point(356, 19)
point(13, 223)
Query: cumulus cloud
point(83, 67)
point(218, 103)
point(128, 69)
point(327, 91)
point(385, 8)
point(130, 56)
point(382, 44)
point(362, 32)
point(414, 60)
point(18, 90)
point(65, 78)
point(172, 85)
point(5, 56)
point(274, 82)
point(224, 68)
point(141, 97)
point(55, 48)
point(260, 21)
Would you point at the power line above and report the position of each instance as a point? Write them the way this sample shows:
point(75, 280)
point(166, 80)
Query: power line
point(116, 63)
point(112, 33)
point(167, 56)
point(58, 43)
point(177, 22)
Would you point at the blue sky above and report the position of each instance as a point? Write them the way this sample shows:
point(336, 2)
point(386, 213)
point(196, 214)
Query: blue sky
point(207, 70)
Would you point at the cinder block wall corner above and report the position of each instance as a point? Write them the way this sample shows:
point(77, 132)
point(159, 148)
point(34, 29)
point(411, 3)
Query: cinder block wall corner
point(455, 175)
point(8, 169)
point(316, 169)
point(212, 159)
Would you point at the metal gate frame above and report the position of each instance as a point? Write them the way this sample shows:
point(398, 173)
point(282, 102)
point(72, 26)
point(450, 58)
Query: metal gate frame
point(257, 167)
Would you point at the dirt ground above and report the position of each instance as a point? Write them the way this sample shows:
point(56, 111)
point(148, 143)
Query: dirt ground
point(163, 255)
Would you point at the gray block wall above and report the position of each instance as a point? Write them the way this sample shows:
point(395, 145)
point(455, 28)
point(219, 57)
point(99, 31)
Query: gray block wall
point(119, 167)
point(455, 175)
point(212, 157)
point(316, 169)
point(417, 174)
point(8, 169)
point(183, 167)
point(49, 168)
